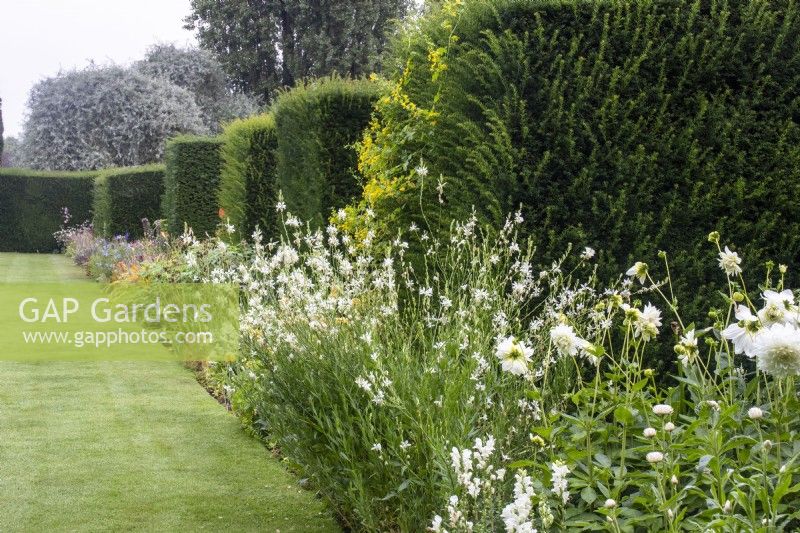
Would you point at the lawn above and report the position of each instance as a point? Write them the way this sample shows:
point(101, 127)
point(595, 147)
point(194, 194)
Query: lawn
point(131, 446)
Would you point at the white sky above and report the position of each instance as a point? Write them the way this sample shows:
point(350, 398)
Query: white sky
point(39, 37)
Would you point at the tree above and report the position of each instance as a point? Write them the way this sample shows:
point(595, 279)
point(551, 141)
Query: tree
point(10, 156)
point(268, 44)
point(197, 71)
point(105, 116)
point(2, 142)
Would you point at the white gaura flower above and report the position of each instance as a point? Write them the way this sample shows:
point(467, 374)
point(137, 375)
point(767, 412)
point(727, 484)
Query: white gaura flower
point(517, 515)
point(638, 270)
point(560, 483)
point(287, 256)
point(777, 350)
point(514, 355)
point(729, 262)
point(778, 307)
point(566, 340)
point(648, 320)
point(743, 333)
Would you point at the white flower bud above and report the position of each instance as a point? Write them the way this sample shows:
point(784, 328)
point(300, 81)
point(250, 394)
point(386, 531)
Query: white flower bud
point(669, 427)
point(662, 409)
point(649, 432)
point(674, 479)
point(655, 457)
point(728, 507)
point(610, 503)
point(755, 413)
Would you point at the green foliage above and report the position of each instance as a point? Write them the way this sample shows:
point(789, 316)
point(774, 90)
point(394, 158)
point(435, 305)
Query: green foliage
point(32, 204)
point(271, 44)
point(125, 196)
point(317, 125)
point(462, 407)
point(631, 127)
point(248, 192)
point(190, 183)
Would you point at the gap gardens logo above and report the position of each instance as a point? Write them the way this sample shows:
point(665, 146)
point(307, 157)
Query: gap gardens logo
point(90, 321)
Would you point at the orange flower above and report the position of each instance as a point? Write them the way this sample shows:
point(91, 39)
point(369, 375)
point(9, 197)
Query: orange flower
point(221, 213)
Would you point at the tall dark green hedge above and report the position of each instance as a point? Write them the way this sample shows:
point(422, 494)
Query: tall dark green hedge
point(191, 184)
point(123, 197)
point(32, 203)
point(248, 191)
point(2, 139)
point(628, 126)
point(317, 125)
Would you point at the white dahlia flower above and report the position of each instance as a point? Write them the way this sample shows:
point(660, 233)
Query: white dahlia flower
point(729, 262)
point(514, 355)
point(638, 270)
point(777, 350)
point(777, 307)
point(566, 340)
point(744, 332)
point(648, 320)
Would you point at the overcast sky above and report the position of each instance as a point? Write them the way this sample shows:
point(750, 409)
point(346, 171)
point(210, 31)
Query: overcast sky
point(39, 37)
